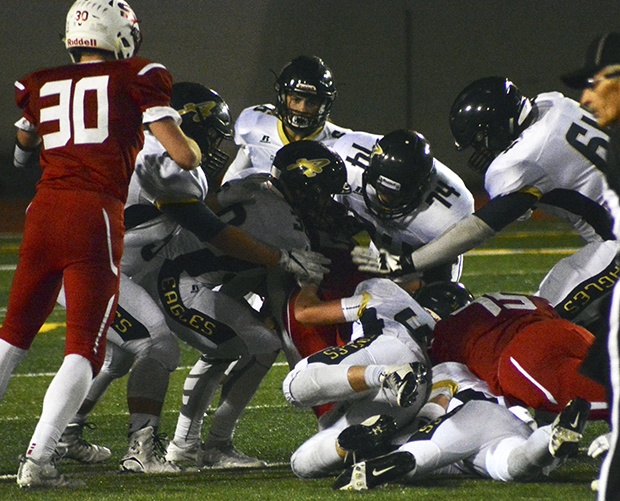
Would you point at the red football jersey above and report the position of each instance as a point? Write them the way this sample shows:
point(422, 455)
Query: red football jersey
point(89, 117)
point(477, 335)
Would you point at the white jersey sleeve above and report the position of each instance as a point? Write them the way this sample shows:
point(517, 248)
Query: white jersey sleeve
point(560, 158)
point(259, 135)
point(162, 181)
point(389, 310)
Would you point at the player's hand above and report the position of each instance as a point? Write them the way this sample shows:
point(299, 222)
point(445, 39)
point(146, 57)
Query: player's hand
point(599, 446)
point(381, 262)
point(307, 266)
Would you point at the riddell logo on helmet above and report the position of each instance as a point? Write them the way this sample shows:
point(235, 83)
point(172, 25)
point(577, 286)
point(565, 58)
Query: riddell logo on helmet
point(81, 42)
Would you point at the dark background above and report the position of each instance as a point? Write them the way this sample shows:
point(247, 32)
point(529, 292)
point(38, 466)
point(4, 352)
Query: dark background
point(396, 63)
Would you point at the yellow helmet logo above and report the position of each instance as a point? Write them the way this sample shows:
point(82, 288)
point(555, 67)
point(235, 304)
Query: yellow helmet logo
point(376, 150)
point(309, 168)
point(200, 109)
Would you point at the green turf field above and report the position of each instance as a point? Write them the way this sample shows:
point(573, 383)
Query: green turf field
point(270, 428)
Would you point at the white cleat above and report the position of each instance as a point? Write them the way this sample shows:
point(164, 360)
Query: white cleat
point(183, 454)
point(146, 454)
point(227, 456)
point(73, 446)
point(32, 474)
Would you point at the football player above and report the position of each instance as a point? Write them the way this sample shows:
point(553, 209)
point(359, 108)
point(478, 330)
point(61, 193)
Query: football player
point(384, 366)
point(85, 120)
point(305, 93)
point(403, 194)
point(543, 153)
point(163, 202)
point(305, 174)
point(508, 448)
point(519, 346)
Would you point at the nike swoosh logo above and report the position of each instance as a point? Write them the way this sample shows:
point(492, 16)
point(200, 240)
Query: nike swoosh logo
point(376, 472)
point(575, 422)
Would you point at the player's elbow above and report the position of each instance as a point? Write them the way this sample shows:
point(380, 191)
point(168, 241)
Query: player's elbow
point(188, 159)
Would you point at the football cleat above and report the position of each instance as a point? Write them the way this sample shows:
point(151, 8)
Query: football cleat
point(375, 472)
point(183, 454)
point(403, 382)
point(146, 454)
point(73, 446)
point(370, 437)
point(33, 474)
point(567, 429)
point(227, 456)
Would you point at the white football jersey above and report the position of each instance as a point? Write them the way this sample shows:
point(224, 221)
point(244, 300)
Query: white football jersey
point(156, 179)
point(393, 312)
point(259, 135)
point(560, 157)
point(447, 201)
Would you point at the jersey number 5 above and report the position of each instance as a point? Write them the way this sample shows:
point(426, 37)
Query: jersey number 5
point(70, 112)
point(591, 148)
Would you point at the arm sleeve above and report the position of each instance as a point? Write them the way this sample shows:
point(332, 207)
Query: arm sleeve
point(463, 236)
point(473, 230)
point(502, 211)
point(195, 217)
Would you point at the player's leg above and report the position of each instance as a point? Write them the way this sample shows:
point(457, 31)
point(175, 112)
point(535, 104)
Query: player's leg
point(540, 367)
point(352, 371)
point(590, 272)
point(199, 390)
point(238, 389)
point(33, 293)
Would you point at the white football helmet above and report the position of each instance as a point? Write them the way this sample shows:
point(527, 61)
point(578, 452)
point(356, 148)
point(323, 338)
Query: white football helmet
point(103, 24)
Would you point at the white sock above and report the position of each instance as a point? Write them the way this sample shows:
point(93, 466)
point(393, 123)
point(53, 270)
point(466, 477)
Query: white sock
point(63, 398)
point(199, 389)
point(372, 375)
point(10, 357)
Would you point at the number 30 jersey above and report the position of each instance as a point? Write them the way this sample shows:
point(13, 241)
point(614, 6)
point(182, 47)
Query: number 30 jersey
point(446, 202)
point(561, 159)
point(90, 116)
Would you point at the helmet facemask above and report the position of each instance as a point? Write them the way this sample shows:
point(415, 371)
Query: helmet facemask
point(387, 199)
point(489, 115)
point(300, 121)
point(306, 77)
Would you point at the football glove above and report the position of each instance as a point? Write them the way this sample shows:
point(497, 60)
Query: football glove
point(306, 266)
point(599, 446)
point(381, 262)
point(236, 193)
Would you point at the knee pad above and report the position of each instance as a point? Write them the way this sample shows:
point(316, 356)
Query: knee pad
point(165, 349)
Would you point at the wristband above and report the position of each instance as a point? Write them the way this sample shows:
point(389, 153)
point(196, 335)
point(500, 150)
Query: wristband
point(353, 307)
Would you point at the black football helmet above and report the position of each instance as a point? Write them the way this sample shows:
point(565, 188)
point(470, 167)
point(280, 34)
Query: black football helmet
point(400, 171)
point(489, 114)
point(443, 298)
point(308, 173)
point(307, 76)
point(206, 119)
